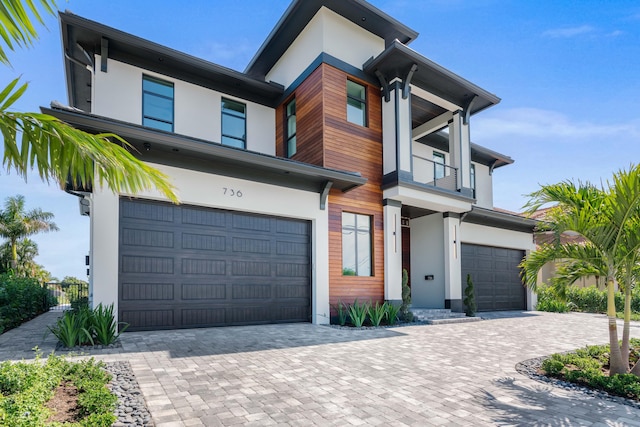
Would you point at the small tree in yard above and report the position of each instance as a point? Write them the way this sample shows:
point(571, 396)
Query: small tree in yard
point(608, 220)
point(469, 298)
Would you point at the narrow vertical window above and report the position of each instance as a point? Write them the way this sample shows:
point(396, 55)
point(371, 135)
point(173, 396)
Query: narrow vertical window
point(291, 128)
point(234, 123)
point(356, 103)
point(157, 103)
point(473, 179)
point(356, 244)
point(438, 165)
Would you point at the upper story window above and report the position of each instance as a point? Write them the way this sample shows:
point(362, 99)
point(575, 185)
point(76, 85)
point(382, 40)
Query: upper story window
point(234, 123)
point(438, 165)
point(157, 103)
point(356, 244)
point(356, 103)
point(472, 182)
point(291, 128)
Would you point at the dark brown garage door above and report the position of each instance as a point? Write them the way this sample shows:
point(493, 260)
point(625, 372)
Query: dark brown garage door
point(185, 266)
point(495, 276)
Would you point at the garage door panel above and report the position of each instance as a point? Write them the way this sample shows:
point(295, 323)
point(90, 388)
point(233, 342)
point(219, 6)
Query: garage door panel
point(203, 291)
point(251, 292)
point(202, 216)
point(204, 242)
point(147, 265)
point(255, 246)
point(148, 319)
point(194, 317)
point(228, 268)
point(148, 238)
point(495, 276)
point(251, 222)
point(146, 212)
point(209, 267)
point(147, 291)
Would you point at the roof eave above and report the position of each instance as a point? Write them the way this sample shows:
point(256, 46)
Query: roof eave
point(386, 58)
point(311, 174)
point(300, 12)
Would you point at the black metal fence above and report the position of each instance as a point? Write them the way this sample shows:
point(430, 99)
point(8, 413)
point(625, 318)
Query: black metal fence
point(67, 295)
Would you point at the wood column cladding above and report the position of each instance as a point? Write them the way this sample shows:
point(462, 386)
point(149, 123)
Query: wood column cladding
point(326, 138)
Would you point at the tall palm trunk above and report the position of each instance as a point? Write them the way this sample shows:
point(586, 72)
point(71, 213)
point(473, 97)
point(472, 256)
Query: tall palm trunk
point(627, 326)
point(14, 254)
point(616, 365)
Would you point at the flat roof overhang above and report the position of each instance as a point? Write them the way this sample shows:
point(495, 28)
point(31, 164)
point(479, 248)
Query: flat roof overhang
point(492, 218)
point(197, 154)
point(81, 36)
point(397, 60)
point(300, 12)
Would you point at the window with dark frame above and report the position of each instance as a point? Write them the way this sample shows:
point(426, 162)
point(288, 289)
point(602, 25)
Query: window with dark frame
point(157, 103)
point(356, 245)
point(438, 165)
point(356, 103)
point(234, 123)
point(290, 110)
point(472, 173)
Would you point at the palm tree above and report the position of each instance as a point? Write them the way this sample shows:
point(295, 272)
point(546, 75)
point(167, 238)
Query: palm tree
point(608, 219)
point(57, 150)
point(16, 224)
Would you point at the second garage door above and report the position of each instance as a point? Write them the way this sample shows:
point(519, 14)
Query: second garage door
point(186, 266)
point(495, 276)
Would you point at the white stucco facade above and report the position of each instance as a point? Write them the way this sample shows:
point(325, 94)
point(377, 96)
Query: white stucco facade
point(117, 94)
point(330, 33)
point(207, 190)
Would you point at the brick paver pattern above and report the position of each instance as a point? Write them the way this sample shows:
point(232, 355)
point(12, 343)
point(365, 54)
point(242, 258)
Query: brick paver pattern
point(303, 374)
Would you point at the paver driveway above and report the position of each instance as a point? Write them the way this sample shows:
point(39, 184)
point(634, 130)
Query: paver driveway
point(301, 374)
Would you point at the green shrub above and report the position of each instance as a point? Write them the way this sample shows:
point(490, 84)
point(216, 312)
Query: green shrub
point(28, 386)
point(104, 327)
point(358, 313)
point(73, 328)
point(85, 326)
point(377, 312)
point(405, 313)
point(391, 313)
point(548, 301)
point(341, 311)
point(586, 366)
point(21, 299)
point(469, 298)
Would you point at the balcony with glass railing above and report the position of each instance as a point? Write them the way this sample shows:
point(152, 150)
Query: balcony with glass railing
point(430, 172)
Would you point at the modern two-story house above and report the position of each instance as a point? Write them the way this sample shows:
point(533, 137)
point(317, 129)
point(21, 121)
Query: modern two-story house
point(337, 158)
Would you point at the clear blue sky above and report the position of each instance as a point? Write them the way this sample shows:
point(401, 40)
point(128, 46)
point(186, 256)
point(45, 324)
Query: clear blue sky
point(567, 73)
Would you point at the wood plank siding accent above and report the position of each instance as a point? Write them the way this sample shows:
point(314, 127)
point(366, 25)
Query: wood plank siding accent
point(326, 138)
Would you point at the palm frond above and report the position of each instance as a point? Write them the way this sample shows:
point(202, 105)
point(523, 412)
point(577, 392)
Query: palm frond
point(58, 151)
point(17, 24)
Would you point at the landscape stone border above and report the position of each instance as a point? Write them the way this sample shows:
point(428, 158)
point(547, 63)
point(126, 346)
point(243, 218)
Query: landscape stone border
point(132, 408)
point(531, 367)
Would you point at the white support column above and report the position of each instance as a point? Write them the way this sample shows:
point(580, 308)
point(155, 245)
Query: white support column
point(396, 132)
point(105, 211)
point(460, 151)
point(452, 263)
point(392, 250)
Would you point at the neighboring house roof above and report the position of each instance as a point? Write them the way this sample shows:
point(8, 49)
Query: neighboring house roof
point(397, 60)
point(211, 157)
point(547, 237)
point(300, 12)
point(500, 219)
point(480, 154)
point(82, 36)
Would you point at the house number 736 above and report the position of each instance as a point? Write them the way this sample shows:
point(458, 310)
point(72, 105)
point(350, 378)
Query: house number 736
point(231, 192)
